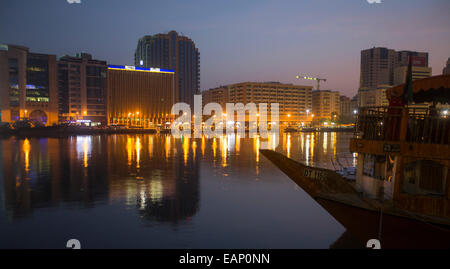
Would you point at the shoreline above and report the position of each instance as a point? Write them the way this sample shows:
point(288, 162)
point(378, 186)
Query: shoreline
point(52, 131)
point(57, 131)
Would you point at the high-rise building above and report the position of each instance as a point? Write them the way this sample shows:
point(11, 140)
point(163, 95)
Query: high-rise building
point(419, 58)
point(418, 72)
point(294, 100)
point(217, 95)
point(82, 89)
point(383, 67)
point(377, 67)
point(326, 105)
point(28, 85)
point(175, 52)
point(446, 69)
point(139, 96)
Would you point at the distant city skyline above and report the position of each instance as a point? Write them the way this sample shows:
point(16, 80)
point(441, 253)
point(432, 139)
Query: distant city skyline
point(239, 41)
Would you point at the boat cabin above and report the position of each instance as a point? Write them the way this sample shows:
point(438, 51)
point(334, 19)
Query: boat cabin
point(404, 149)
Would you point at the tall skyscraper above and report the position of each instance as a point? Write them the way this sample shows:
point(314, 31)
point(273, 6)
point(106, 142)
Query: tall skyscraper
point(382, 68)
point(377, 67)
point(175, 52)
point(28, 85)
point(82, 89)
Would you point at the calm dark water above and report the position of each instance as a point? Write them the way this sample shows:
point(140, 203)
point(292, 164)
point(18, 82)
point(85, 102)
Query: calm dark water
point(155, 191)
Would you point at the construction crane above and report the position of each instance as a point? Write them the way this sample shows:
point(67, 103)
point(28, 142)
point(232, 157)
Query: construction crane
point(312, 78)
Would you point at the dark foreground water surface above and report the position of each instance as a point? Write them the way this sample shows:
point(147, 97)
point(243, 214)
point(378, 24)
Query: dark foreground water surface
point(155, 191)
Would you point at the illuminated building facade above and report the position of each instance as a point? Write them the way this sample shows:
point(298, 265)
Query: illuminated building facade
point(326, 105)
point(139, 96)
point(294, 100)
point(82, 89)
point(217, 95)
point(175, 52)
point(28, 88)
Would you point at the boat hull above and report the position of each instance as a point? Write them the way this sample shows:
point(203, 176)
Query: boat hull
point(364, 218)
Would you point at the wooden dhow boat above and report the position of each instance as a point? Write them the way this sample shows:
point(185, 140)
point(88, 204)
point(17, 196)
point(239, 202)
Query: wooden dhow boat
point(401, 195)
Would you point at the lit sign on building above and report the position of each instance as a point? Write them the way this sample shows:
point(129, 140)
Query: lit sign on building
point(418, 61)
point(141, 69)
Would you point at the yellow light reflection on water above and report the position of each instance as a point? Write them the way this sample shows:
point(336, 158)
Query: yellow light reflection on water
point(138, 152)
point(288, 146)
point(307, 149)
point(203, 145)
point(167, 147)
point(325, 142)
point(224, 142)
point(312, 146)
point(214, 147)
point(194, 148)
point(85, 152)
point(150, 146)
point(257, 144)
point(333, 142)
point(26, 149)
point(273, 141)
point(302, 141)
point(129, 150)
point(185, 149)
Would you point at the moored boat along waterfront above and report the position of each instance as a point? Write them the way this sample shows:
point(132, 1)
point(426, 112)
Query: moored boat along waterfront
point(401, 193)
point(360, 215)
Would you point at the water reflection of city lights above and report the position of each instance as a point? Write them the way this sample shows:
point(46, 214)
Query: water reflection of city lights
point(307, 148)
point(138, 152)
point(214, 147)
point(150, 146)
point(288, 146)
point(194, 148)
point(185, 149)
point(26, 150)
point(84, 148)
point(167, 147)
point(256, 147)
point(224, 141)
point(129, 150)
point(203, 145)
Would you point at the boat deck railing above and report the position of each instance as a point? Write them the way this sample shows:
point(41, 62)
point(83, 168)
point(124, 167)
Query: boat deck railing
point(410, 124)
